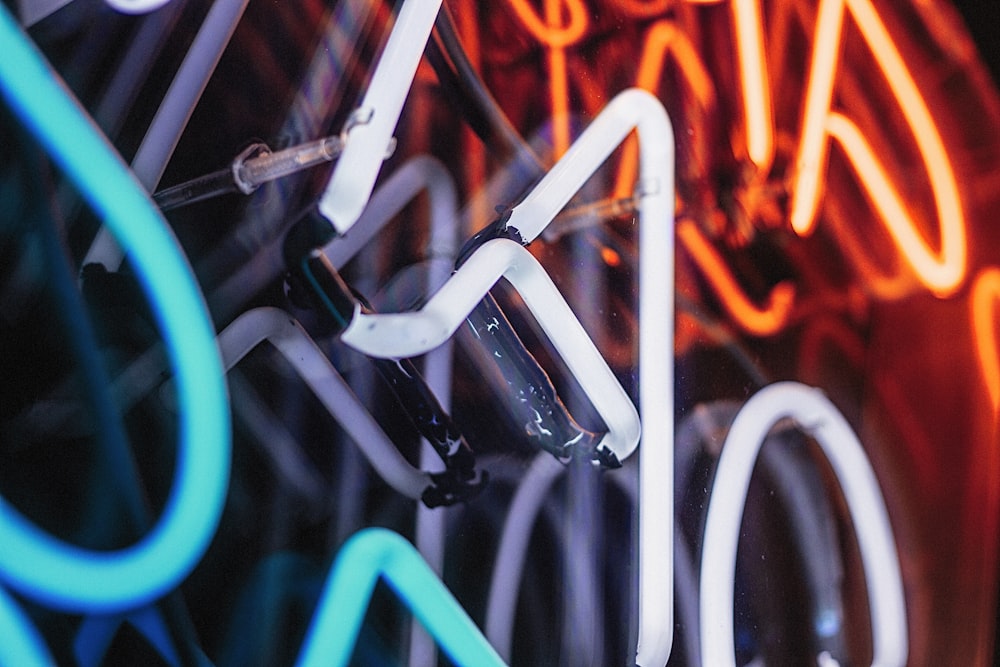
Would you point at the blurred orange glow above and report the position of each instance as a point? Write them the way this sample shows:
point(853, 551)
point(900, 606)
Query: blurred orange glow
point(549, 32)
point(556, 37)
point(942, 272)
point(749, 317)
point(754, 82)
point(984, 301)
point(663, 38)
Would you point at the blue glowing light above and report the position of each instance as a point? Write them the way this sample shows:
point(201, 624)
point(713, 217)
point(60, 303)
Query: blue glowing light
point(21, 644)
point(374, 553)
point(48, 570)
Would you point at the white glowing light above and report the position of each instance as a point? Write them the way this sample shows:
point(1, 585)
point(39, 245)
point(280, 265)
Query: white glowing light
point(818, 417)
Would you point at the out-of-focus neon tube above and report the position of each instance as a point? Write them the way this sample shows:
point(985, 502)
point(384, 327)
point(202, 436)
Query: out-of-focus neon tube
point(985, 295)
point(278, 328)
point(136, 6)
point(95, 634)
point(637, 110)
point(821, 419)
point(941, 272)
point(407, 335)
point(376, 553)
point(175, 110)
point(48, 570)
point(513, 548)
point(369, 131)
point(22, 644)
point(422, 173)
point(757, 321)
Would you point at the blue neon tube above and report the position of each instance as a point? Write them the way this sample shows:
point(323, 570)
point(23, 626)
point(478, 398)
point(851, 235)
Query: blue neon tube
point(33, 562)
point(373, 553)
point(20, 643)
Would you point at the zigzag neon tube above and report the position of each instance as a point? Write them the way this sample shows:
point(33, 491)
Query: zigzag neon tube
point(374, 553)
point(48, 570)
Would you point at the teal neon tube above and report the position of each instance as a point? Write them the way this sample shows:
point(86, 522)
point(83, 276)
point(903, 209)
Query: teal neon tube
point(374, 553)
point(50, 571)
point(21, 644)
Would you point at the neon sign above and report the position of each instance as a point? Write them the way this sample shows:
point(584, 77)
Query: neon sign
point(560, 27)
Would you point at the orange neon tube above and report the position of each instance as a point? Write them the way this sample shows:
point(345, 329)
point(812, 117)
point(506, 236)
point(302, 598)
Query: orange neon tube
point(942, 272)
point(757, 115)
point(749, 317)
point(875, 281)
point(651, 8)
point(549, 32)
point(556, 38)
point(559, 85)
point(984, 301)
point(643, 8)
point(665, 38)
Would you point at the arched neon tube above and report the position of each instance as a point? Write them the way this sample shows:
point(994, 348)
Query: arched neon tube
point(367, 556)
point(817, 416)
point(48, 570)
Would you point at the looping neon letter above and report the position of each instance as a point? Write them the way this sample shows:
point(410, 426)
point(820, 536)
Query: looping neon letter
point(815, 414)
point(942, 272)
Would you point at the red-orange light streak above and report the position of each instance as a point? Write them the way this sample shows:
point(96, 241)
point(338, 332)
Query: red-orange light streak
point(664, 38)
point(940, 272)
point(757, 114)
point(748, 316)
point(556, 37)
point(984, 301)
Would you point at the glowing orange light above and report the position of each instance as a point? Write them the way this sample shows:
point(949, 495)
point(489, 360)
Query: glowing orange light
point(749, 317)
point(549, 32)
point(984, 301)
point(610, 257)
point(643, 8)
point(556, 37)
point(559, 86)
point(875, 280)
point(650, 8)
point(754, 82)
point(665, 38)
point(940, 272)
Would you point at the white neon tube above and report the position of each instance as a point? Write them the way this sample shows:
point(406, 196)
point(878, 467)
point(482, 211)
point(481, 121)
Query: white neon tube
point(641, 111)
point(512, 551)
point(175, 110)
point(410, 334)
point(369, 132)
point(392, 335)
point(422, 173)
point(279, 329)
point(818, 417)
point(136, 6)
